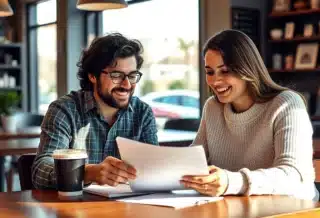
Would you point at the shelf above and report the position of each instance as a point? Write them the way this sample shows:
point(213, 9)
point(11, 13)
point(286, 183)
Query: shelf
point(10, 45)
point(315, 118)
point(296, 39)
point(9, 67)
point(294, 13)
point(294, 70)
point(18, 88)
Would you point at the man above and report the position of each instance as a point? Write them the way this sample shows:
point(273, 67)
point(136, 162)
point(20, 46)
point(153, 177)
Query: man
point(94, 116)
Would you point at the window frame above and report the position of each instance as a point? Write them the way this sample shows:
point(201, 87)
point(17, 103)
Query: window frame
point(32, 55)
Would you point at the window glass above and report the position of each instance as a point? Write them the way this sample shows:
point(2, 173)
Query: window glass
point(169, 32)
point(47, 65)
point(43, 53)
point(46, 12)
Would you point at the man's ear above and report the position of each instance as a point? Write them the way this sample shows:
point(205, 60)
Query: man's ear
point(92, 78)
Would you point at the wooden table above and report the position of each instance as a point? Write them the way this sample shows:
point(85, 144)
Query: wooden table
point(29, 145)
point(15, 147)
point(23, 143)
point(6, 135)
point(47, 204)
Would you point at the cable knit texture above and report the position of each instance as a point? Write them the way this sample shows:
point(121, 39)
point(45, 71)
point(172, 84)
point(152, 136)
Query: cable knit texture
point(264, 150)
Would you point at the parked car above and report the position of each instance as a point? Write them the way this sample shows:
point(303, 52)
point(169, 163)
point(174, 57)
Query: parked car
point(174, 103)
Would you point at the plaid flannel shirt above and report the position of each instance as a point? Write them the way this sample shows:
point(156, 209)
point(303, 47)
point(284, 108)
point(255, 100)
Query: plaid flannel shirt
point(73, 121)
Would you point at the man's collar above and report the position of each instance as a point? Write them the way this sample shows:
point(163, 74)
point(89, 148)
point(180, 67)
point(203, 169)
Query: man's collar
point(90, 102)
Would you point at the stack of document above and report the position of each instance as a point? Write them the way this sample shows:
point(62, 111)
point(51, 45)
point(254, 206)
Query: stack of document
point(176, 199)
point(159, 171)
point(122, 190)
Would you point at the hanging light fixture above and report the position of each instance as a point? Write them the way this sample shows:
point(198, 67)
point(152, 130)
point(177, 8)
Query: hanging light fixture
point(100, 5)
point(5, 8)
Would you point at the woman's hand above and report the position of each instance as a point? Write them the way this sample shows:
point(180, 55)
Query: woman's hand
point(215, 184)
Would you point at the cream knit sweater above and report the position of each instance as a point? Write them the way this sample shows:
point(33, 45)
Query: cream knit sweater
point(265, 150)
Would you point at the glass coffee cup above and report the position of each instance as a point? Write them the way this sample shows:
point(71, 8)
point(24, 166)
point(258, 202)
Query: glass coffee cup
point(69, 168)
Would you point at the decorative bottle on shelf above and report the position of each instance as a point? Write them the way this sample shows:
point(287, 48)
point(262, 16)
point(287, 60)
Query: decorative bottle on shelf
point(5, 80)
point(277, 61)
point(314, 4)
point(289, 62)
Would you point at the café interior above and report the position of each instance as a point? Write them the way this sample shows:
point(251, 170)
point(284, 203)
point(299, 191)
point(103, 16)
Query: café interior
point(41, 42)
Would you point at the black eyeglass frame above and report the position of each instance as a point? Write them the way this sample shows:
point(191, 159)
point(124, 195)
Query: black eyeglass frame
point(123, 76)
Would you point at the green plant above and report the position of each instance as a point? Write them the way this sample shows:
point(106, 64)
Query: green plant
point(9, 102)
point(147, 87)
point(177, 84)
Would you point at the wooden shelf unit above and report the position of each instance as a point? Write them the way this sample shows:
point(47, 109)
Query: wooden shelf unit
point(294, 70)
point(296, 39)
point(17, 88)
point(293, 13)
point(17, 71)
point(306, 81)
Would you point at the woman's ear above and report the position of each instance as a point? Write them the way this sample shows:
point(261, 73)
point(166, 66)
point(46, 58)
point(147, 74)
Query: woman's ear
point(92, 78)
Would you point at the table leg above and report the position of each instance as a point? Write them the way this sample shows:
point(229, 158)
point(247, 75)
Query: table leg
point(2, 174)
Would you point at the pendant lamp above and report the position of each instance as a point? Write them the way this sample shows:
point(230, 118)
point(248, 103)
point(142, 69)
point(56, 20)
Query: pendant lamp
point(100, 5)
point(5, 8)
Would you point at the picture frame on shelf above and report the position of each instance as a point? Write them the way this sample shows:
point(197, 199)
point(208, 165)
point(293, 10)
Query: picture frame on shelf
point(306, 56)
point(281, 5)
point(308, 30)
point(289, 30)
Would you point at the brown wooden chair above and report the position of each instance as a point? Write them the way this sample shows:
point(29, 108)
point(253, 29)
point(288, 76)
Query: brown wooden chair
point(25, 162)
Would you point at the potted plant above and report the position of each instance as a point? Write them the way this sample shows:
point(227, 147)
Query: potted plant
point(9, 102)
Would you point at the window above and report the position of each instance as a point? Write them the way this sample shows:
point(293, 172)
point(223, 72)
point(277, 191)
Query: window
point(171, 42)
point(42, 29)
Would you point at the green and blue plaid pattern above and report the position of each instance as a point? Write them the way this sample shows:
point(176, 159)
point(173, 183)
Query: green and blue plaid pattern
point(73, 121)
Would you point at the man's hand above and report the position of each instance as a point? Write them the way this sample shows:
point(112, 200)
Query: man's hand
point(111, 171)
point(215, 184)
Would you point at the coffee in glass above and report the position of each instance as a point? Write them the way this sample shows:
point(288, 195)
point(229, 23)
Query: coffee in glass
point(69, 167)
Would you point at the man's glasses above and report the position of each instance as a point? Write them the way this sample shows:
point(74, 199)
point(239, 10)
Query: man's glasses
point(118, 77)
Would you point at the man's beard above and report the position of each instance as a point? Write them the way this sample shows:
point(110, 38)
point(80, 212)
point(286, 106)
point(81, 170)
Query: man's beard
point(110, 100)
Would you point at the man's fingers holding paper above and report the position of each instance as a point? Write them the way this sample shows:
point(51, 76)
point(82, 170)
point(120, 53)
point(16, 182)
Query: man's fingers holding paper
point(119, 164)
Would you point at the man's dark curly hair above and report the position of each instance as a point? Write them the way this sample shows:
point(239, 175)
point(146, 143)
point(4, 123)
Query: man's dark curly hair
point(103, 52)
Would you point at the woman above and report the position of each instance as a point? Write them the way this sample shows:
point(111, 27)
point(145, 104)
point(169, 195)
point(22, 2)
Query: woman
point(257, 135)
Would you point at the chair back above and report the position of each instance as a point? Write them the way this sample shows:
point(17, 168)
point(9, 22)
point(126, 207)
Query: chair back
point(25, 162)
point(185, 124)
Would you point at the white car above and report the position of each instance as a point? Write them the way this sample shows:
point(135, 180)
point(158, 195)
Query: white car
point(174, 103)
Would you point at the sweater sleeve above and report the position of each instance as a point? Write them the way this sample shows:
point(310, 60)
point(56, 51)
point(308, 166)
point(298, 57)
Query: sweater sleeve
point(292, 166)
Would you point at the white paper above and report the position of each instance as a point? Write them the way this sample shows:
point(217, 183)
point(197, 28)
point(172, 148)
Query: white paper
point(171, 200)
point(122, 190)
point(161, 168)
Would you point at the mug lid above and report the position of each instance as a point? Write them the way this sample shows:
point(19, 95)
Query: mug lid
point(69, 154)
